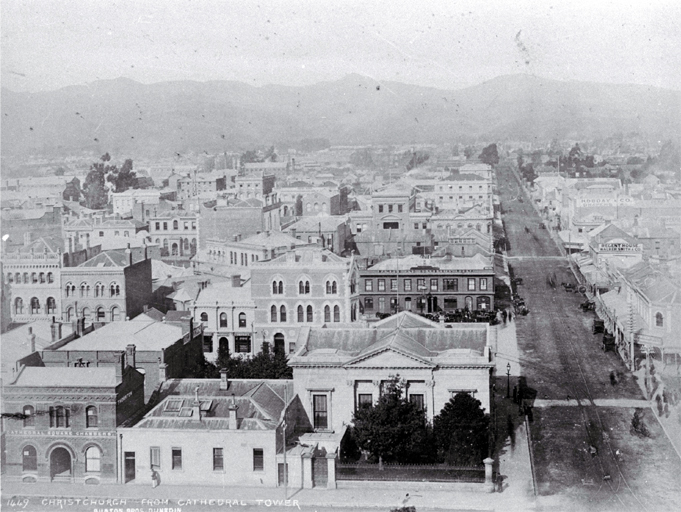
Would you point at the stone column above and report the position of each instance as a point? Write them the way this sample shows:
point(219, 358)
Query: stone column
point(307, 471)
point(331, 462)
point(489, 474)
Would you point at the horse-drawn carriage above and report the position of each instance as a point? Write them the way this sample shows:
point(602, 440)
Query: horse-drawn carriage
point(598, 326)
point(608, 342)
point(587, 305)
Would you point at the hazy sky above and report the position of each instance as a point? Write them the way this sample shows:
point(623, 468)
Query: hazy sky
point(49, 44)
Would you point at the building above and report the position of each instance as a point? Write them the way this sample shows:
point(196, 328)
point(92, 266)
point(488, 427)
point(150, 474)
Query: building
point(111, 286)
point(176, 232)
point(227, 313)
point(124, 202)
point(305, 286)
point(428, 285)
point(332, 232)
point(224, 432)
point(253, 184)
point(337, 370)
point(278, 169)
point(160, 350)
point(61, 422)
point(204, 185)
point(302, 199)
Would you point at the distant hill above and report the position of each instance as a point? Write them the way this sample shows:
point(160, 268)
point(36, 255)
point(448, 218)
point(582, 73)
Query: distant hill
point(124, 117)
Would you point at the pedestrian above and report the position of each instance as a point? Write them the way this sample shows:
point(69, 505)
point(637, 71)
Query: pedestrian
point(515, 394)
point(659, 405)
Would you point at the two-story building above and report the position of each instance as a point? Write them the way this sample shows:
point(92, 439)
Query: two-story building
point(61, 422)
point(428, 285)
point(176, 232)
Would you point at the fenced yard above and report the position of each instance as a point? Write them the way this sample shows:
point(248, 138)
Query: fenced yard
point(410, 472)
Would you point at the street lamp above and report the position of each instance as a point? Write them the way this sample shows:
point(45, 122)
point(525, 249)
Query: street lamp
point(508, 380)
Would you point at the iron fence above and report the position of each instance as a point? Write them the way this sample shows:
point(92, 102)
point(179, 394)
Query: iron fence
point(410, 472)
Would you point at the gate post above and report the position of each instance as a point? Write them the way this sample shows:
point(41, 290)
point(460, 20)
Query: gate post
point(489, 481)
point(331, 476)
point(307, 471)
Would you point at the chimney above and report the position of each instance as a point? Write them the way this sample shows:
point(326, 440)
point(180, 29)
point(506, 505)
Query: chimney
point(236, 281)
point(224, 380)
point(191, 328)
point(196, 405)
point(162, 370)
point(233, 424)
point(31, 339)
point(55, 330)
point(128, 253)
point(293, 232)
point(130, 355)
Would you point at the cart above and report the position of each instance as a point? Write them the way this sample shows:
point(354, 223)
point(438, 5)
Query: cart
point(608, 342)
point(598, 326)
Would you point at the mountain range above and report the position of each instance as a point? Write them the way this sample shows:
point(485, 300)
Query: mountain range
point(127, 118)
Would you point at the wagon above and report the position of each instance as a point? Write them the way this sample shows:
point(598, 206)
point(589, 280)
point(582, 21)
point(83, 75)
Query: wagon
point(588, 305)
point(608, 342)
point(598, 326)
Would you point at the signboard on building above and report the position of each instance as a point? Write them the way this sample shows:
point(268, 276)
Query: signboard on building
point(584, 202)
point(619, 247)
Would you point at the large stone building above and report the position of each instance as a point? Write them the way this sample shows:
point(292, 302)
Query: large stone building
point(175, 232)
point(337, 370)
point(113, 285)
point(61, 422)
point(305, 286)
point(428, 285)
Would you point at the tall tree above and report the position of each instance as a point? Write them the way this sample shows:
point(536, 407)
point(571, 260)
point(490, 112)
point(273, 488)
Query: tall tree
point(94, 187)
point(123, 178)
point(490, 155)
point(394, 429)
point(461, 431)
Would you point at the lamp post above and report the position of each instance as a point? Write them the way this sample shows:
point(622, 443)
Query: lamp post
point(508, 380)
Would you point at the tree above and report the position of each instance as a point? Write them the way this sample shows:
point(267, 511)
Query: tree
point(94, 187)
point(249, 157)
point(394, 429)
point(265, 365)
point(417, 158)
point(468, 152)
point(123, 178)
point(362, 158)
point(489, 155)
point(270, 155)
point(72, 190)
point(461, 431)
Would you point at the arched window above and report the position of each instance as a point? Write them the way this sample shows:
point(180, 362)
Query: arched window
point(70, 289)
point(310, 315)
point(242, 319)
point(300, 314)
point(59, 417)
point(19, 306)
point(273, 314)
point(275, 288)
point(301, 287)
point(174, 250)
point(165, 243)
point(84, 290)
point(29, 459)
point(69, 314)
point(186, 244)
point(328, 287)
point(307, 287)
point(35, 306)
point(34, 277)
point(42, 277)
point(100, 314)
point(29, 416)
point(175, 224)
point(282, 314)
point(17, 277)
point(327, 314)
point(659, 320)
point(91, 416)
point(223, 319)
point(204, 317)
point(93, 459)
point(336, 314)
point(51, 306)
point(281, 287)
point(115, 314)
point(50, 277)
point(86, 313)
point(334, 287)
point(114, 290)
point(25, 277)
point(99, 289)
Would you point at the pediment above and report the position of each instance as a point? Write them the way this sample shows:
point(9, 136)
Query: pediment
point(389, 358)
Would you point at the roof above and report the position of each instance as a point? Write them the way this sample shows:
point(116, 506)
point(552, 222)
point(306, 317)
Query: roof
point(48, 244)
point(271, 240)
point(406, 320)
point(112, 258)
point(145, 333)
point(477, 262)
point(305, 256)
point(310, 224)
point(224, 292)
point(67, 377)
point(259, 402)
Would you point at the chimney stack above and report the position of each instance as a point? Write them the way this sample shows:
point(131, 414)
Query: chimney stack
point(196, 405)
point(55, 330)
point(233, 424)
point(293, 232)
point(128, 253)
point(31, 339)
point(130, 355)
point(236, 281)
point(224, 380)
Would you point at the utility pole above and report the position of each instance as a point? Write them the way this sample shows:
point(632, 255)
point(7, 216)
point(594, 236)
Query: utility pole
point(283, 433)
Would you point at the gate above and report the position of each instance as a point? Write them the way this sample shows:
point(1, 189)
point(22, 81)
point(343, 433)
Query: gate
point(320, 472)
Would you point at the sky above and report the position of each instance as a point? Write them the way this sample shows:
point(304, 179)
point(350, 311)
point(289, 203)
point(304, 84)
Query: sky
point(49, 44)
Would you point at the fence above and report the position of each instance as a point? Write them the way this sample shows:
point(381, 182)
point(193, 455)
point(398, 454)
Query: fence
point(410, 472)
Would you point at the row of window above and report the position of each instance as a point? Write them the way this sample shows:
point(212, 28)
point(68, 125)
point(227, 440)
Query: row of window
point(389, 208)
point(448, 284)
point(331, 287)
point(176, 225)
point(470, 187)
point(99, 314)
point(33, 278)
point(218, 459)
point(93, 459)
point(442, 198)
point(34, 309)
point(304, 314)
point(116, 233)
point(450, 303)
point(100, 289)
point(60, 416)
point(223, 319)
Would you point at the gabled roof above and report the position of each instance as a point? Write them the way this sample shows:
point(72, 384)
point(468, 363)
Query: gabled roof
point(397, 342)
point(67, 377)
point(111, 258)
point(406, 320)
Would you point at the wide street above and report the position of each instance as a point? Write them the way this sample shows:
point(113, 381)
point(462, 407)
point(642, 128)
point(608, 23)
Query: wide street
point(576, 405)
